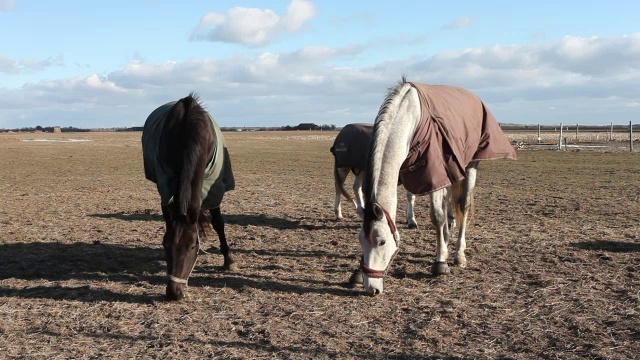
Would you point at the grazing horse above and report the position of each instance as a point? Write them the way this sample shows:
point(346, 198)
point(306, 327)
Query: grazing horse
point(351, 151)
point(184, 154)
point(433, 136)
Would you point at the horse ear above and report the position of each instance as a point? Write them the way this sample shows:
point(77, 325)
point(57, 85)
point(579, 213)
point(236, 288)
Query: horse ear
point(377, 211)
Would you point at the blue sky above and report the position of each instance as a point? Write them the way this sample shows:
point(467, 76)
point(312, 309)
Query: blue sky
point(259, 63)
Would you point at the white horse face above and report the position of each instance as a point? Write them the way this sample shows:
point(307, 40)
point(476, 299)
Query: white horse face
point(379, 246)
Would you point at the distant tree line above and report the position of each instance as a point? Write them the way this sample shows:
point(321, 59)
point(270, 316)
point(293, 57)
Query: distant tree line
point(302, 126)
point(47, 129)
point(133, 128)
point(309, 126)
point(312, 126)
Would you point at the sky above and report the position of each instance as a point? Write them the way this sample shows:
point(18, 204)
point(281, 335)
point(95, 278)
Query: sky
point(95, 64)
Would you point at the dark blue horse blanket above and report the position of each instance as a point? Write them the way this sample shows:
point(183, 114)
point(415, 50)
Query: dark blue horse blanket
point(218, 173)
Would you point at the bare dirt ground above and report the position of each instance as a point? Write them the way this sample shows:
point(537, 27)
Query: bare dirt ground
point(554, 260)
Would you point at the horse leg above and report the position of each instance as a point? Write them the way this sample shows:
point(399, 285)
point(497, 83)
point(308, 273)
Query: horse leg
point(451, 217)
point(438, 213)
point(359, 197)
point(218, 225)
point(463, 198)
point(411, 217)
point(356, 277)
point(340, 177)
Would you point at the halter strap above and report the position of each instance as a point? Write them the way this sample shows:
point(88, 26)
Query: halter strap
point(372, 273)
point(178, 280)
point(392, 226)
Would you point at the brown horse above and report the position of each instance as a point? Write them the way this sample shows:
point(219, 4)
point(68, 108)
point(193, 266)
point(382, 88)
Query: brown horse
point(184, 155)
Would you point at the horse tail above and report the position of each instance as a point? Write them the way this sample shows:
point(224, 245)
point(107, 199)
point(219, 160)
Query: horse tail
point(458, 194)
point(339, 183)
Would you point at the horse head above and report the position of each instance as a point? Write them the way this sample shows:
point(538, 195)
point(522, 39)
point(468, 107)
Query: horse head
point(181, 245)
point(380, 242)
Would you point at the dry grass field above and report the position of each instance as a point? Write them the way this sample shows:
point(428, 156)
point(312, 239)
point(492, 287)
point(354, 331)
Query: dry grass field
point(553, 273)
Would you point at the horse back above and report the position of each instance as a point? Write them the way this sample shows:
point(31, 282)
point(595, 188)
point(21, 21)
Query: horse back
point(218, 175)
point(151, 134)
point(351, 146)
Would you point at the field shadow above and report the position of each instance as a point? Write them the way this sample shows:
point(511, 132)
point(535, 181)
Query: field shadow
point(272, 284)
point(97, 262)
point(76, 293)
point(244, 220)
point(288, 253)
point(608, 245)
point(80, 262)
point(284, 224)
point(144, 216)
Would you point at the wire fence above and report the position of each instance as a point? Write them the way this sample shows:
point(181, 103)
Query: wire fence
point(564, 137)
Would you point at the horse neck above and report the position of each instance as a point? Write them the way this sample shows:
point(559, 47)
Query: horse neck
point(390, 148)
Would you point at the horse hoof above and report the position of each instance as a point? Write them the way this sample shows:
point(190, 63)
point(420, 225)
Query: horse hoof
point(460, 262)
point(440, 268)
point(230, 266)
point(356, 278)
point(412, 226)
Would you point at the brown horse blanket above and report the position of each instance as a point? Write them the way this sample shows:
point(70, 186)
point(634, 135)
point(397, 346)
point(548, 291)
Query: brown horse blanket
point(455, 129)
point(351, 147)
point(218, 173)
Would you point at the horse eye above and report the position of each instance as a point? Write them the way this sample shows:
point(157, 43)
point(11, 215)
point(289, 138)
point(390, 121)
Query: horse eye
point(383, 242)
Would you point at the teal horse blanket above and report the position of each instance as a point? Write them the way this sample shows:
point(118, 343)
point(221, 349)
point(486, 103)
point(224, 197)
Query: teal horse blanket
point(218, 173)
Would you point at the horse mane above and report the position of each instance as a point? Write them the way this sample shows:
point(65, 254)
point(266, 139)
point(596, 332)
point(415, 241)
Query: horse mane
point(188, 151)
point(389, 106)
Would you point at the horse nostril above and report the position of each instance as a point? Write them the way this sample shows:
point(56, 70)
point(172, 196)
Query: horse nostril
point(376, 292)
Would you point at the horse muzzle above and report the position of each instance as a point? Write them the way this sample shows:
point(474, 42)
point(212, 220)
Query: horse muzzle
point(373, 286)
point(176, 288)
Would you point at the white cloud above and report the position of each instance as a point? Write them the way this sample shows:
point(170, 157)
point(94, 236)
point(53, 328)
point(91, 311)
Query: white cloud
point(253, 26)
point(6, 5)
point(8, 65)
point(460, 23)
point(11, 66)
point(586, 80)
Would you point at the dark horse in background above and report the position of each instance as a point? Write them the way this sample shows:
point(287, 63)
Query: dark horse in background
point(185, 156)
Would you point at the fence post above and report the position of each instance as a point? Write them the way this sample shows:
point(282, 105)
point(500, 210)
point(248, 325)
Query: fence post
point(630, 136)
point(577, 131)
point(560, 138)
point(539, 138)
point(611, 132)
